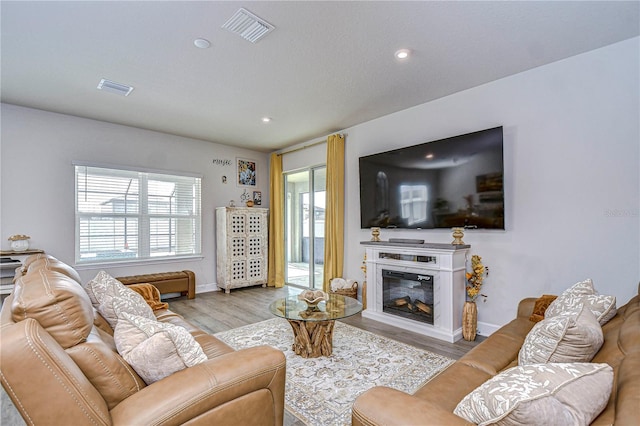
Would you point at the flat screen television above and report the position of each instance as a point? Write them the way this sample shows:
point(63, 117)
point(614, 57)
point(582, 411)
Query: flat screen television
point(453, 182)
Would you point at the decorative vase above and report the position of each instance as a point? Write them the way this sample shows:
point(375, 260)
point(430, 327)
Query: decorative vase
point(375, 234)
point(469, 321)
point(364, 295)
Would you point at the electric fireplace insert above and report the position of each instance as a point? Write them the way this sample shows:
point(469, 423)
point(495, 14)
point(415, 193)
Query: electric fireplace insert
point(408, 295)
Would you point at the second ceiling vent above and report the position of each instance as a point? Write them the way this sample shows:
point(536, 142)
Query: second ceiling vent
point(248, 26)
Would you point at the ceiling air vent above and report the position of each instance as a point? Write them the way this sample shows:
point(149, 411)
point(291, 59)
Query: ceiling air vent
point(113, 87)
point(248, 26)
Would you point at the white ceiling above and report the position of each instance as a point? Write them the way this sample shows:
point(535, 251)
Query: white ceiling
point(326, 67)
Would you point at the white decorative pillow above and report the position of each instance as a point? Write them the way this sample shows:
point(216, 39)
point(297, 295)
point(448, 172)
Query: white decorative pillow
point(156, 349)
point(563, 338)
point(602, 306)
point(110, 297)
point(540, 394)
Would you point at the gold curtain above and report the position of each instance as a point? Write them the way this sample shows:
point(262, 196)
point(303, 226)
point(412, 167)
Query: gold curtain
point(334, 213)
point(276, 223)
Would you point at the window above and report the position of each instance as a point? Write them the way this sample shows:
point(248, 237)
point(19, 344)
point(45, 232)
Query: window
point(124, 215)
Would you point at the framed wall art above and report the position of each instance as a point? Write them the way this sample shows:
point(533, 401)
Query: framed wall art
point(246, 172)
point(257, 198)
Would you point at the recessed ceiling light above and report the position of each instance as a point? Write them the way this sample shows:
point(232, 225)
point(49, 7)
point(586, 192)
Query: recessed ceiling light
point(429, 156)
point(202, 43)
point(403, 53)
point(266, 119)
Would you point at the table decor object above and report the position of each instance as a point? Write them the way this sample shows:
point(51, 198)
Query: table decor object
point(19, 242)
point(312, 298)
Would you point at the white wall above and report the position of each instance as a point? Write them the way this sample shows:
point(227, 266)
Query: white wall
point(572, 155)
point(572, 186)
point(37, 179)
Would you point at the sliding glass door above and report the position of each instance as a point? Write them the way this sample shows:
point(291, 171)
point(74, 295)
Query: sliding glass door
point(304, 227)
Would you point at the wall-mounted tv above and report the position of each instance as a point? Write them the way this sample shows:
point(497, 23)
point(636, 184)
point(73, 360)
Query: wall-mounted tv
point(453, 182)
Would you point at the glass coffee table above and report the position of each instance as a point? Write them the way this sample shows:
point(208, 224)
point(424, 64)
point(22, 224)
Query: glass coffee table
point(313, 325)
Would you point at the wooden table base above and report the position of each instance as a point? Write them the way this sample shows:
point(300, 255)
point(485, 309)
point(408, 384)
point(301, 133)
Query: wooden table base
point(312, 339)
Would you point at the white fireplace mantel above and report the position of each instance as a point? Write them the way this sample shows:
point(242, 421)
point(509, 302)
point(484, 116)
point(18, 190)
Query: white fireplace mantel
point(447, 265)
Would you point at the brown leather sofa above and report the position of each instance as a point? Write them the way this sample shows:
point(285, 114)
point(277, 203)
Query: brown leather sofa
point(434, 403)
point(60, 366)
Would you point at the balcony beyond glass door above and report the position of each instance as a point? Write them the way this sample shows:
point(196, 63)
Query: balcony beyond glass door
point(304, 227)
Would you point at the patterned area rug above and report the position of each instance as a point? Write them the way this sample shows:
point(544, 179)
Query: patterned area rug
point(321, 391)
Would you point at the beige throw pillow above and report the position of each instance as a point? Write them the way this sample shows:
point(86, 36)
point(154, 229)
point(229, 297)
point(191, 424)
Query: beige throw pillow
point(602, 306)
point(110, 297)
point(564, 338)
point(156, 349)
point(540, 394)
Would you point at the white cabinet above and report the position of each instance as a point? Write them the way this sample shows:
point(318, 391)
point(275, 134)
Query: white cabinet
point(242, 240)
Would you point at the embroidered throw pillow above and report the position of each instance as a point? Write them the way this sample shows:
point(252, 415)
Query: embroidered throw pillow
point(563, 338)
point(602, 306)
point(110, 297)
point(155, 349)
point(540, 394)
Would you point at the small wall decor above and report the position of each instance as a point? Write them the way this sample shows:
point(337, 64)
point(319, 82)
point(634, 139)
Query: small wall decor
point(221, 162)
point(246, 172)
point(257, 198)
point(224, 179)
point(245, 196)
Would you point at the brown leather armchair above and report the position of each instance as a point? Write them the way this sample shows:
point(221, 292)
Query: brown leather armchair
point(59, 365)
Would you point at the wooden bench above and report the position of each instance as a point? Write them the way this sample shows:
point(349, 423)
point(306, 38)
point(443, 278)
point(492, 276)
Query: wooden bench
point(183, 282)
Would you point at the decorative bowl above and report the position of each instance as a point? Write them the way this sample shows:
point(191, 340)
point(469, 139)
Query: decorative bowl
point(312, 298)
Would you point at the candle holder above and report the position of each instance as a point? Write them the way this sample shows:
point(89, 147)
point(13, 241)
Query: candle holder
point(458, 233)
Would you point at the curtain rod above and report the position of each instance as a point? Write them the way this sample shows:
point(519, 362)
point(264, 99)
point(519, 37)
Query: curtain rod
point(307, 146)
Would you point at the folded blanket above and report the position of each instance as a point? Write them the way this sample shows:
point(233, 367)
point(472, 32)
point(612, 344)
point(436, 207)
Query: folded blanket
point(540, 307)
point(151, 295)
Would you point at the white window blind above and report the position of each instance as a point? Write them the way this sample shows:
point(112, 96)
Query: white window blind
point(127, 215)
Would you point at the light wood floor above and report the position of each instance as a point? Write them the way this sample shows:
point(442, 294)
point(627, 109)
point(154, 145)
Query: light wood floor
point(217, 311)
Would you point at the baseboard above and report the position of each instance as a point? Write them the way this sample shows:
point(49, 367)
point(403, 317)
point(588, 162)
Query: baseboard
point(486, 329)
point(200, 288)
